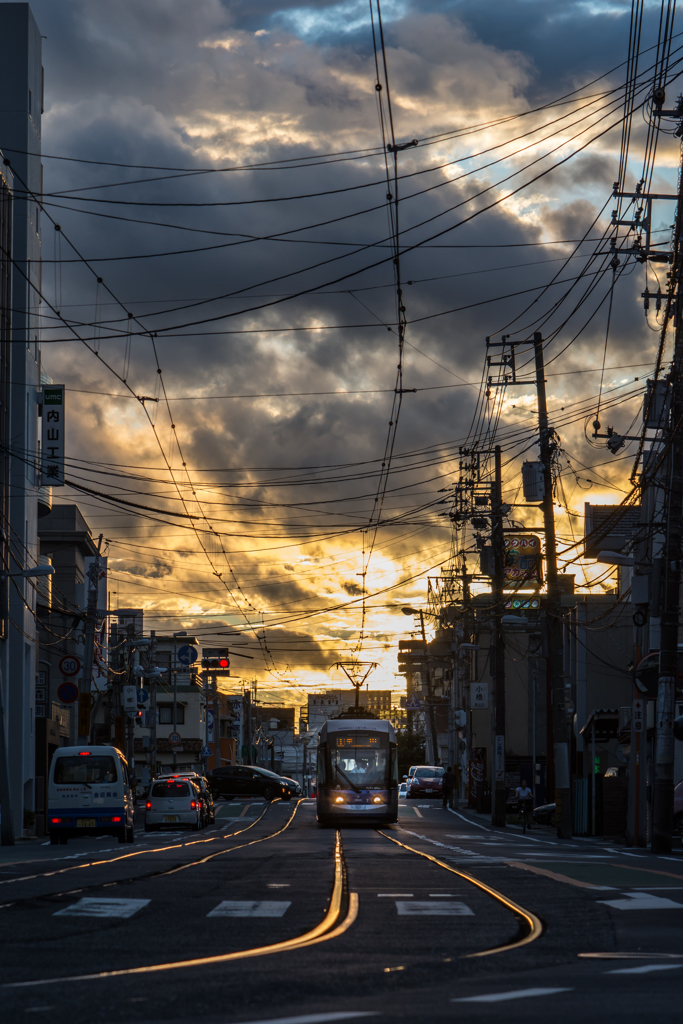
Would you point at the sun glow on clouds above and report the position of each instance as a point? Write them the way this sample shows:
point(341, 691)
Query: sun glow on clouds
point(226, 94)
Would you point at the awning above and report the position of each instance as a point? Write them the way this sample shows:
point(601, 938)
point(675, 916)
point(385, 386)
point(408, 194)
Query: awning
point(606, 724)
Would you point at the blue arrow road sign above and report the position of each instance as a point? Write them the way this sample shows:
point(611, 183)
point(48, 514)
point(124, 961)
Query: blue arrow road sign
point(142, 696)
point(187, 655)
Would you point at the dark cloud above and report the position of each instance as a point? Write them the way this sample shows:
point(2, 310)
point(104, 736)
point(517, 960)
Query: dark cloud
point(290, 481)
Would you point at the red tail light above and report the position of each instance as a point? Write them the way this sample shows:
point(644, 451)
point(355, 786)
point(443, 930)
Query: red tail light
point(193, 804)
point(117, 819)
point(148, 805)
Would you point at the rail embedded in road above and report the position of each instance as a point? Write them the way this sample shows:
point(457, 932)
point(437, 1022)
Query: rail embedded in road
point(329, 928)
point(529, 921)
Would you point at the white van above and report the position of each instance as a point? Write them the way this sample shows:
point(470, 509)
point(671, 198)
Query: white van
point(89, 794)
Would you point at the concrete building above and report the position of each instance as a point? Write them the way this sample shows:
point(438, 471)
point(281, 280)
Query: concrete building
point(21, 92)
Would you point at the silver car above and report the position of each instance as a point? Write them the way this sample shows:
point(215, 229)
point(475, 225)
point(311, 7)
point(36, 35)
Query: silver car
point(173, 802)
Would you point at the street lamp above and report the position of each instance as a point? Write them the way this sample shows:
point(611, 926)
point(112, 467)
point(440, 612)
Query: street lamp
point(181, 632)
point(615, 558)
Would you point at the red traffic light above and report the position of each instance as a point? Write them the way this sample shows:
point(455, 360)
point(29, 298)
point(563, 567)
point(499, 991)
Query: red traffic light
point(224, 663)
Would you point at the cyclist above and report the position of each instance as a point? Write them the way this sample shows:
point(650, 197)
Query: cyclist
point(525, 799)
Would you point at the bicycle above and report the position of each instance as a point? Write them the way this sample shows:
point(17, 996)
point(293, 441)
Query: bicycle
point(525, 809)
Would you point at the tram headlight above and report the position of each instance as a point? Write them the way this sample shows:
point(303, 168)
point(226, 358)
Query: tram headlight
point(339, 800)
point(377, 800)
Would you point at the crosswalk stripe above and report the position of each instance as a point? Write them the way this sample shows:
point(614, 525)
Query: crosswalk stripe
point(250, 908)
point(95, 906)
point(452, 908)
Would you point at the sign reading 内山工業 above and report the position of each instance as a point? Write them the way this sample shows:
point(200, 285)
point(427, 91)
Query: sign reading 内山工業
point(52, 436)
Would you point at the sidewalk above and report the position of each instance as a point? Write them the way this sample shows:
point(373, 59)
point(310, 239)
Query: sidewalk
point(484, 821)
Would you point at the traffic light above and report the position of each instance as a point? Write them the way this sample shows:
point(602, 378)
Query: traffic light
point(216, 661)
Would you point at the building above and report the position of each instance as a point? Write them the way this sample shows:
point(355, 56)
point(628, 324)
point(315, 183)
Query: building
point(21, 92)
point(164, 715)
point(67, 544)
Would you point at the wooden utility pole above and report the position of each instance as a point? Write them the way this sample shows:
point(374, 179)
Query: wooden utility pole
point(672, 476)
point(85, 696)
point(499, 794)
point(559, 755)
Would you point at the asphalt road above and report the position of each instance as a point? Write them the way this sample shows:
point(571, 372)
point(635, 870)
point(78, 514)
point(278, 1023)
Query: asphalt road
point(367, 926)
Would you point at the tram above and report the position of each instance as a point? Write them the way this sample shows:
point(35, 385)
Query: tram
point(357, 772)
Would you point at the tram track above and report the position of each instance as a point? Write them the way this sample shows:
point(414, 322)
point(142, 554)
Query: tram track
point(340, 916)
point(531, 926)
point(145, 875)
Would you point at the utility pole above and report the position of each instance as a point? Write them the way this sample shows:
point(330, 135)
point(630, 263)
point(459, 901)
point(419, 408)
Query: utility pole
point(499, 801)
point(246, 705)
point(663, 790)
point(85, 694)
point(217, 722)
point(180, 632)
point(432, 739)
point(560, 753)
point(153, 682)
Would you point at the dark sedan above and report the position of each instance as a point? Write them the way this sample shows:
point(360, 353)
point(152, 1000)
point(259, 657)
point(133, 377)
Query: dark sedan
point(248, 781)
point(293, 786)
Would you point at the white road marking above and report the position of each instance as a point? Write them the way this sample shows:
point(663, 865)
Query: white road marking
point(316, 1018)
point(646, 968)
point(440, 895)
point(475, 823)
point(520, 993)
point(278, 885)
point(92, 906)
point(422, 907)
point(394, 894)
point(642, 901)
point(417, 812)
point(250, 908)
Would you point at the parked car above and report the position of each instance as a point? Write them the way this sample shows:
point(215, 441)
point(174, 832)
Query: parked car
point(402, 789)
point(426, 780)
point(173, 802)
point(247, 780)
point(545, 814)
point(293, 785)
point(208, 807)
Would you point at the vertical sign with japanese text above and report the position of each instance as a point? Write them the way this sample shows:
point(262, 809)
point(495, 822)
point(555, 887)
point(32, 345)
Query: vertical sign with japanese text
point(499, 759)
point(52, 438)
point(479, 696)
point(638, 714)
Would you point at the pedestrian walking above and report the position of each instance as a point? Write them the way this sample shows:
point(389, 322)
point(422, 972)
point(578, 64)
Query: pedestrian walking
point(448, 783)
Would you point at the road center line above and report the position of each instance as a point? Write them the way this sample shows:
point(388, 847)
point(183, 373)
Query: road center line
point(521, 993)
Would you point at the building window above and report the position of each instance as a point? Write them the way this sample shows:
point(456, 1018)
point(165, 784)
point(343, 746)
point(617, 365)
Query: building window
point(166, 714)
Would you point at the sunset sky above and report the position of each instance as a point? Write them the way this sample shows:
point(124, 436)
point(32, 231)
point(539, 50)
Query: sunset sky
point(235, 204)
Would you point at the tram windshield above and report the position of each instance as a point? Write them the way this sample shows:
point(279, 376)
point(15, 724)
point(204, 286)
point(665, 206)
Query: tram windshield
point(359, 759)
